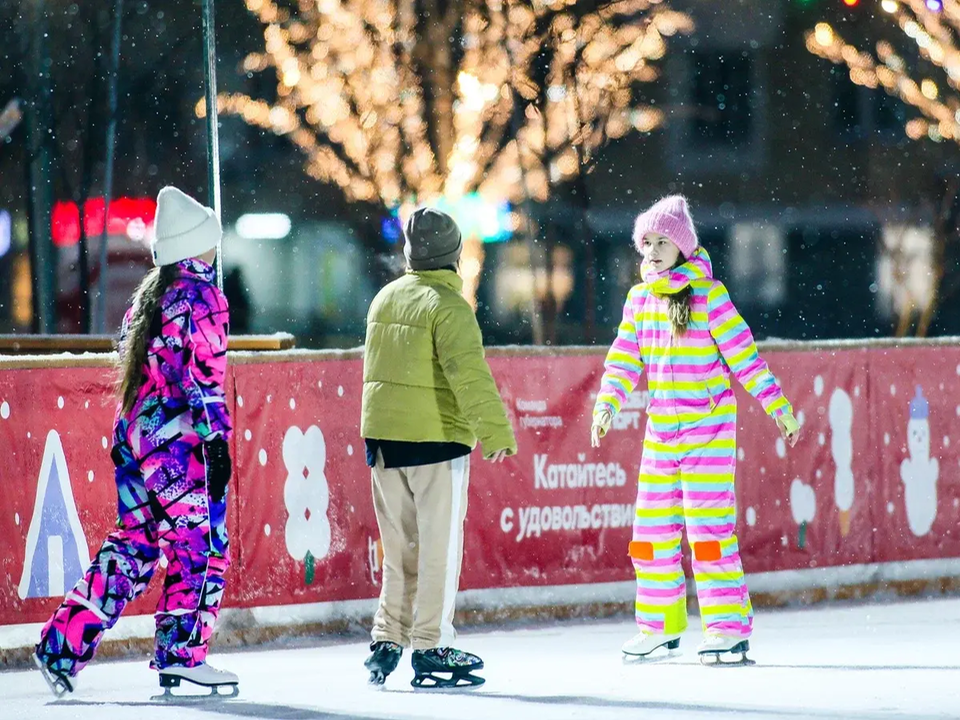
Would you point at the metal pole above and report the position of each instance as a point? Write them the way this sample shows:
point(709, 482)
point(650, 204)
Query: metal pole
point(108, 173)
point(213, 142)
point(40, 190)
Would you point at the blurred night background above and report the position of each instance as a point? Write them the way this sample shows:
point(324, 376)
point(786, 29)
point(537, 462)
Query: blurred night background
point(817, 140)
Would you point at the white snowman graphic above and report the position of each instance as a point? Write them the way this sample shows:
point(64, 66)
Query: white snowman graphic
point(306, 496)
point(841, 446)
point(919, 472)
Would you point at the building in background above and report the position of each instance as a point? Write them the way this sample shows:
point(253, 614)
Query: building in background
point(307, 278)
point(814, 204)
point(799, 181)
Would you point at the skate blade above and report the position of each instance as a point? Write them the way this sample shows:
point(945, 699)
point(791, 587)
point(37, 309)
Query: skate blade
point(58, 686)
point(458, 681)
point(377, 678)
point(717, 662)
point(215, 695)
point(714, 658)
point(650, 658)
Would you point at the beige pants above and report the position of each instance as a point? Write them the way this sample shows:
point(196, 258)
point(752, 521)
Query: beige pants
point(420, 511)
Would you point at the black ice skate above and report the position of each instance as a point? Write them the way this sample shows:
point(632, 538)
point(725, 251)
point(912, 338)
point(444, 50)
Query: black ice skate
point(60, 683)
point(201, 675)
point(445, 668)
point(383, 661)
point(720, 649)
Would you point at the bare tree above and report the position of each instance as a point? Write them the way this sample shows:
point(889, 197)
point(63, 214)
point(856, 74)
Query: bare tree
point(915, 58)
point(407, 101)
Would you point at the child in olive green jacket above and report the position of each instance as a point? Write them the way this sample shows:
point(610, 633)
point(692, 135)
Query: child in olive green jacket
point(428, 397)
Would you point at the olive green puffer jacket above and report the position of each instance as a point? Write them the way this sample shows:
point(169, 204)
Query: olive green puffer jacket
point(425, 378)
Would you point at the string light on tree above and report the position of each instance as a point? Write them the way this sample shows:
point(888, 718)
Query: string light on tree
point(925, 74)
point(399, 101)
point(405, 102)
point(917, 60)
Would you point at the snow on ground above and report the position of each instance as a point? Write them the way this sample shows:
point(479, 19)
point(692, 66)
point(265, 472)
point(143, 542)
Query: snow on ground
point(853, 662)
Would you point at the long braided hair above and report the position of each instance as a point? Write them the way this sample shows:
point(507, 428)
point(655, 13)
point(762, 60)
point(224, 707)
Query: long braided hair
point(133, 351)
point(678, 306)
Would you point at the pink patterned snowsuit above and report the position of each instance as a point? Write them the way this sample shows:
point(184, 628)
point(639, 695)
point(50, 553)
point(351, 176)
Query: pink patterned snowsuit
point(171, 491)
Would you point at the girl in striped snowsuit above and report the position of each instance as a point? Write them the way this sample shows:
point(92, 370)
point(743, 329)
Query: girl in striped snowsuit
point(172, 465)
point(680, 325)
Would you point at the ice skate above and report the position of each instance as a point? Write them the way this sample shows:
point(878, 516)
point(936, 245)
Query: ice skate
point(643, 644)
point(60, 683)
point(715, 648)
point(383, 661)
point(201, 675)
point(431, 668)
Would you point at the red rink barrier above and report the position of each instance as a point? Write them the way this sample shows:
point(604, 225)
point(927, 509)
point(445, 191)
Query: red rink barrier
point(874, 479)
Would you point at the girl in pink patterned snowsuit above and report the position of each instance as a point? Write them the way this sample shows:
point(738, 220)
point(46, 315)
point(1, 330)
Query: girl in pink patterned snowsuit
point(172, 461)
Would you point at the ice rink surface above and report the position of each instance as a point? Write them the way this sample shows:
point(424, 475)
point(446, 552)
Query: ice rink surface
point(897, 660)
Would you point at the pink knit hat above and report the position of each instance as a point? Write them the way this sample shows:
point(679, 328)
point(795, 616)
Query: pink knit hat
point(670, 217)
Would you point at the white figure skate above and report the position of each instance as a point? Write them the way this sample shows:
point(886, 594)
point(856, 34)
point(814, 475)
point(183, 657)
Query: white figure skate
point(715, 647)
point(642, 644)
point(201, 675)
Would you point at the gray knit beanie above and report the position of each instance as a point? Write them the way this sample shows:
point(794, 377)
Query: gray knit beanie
point(432, 239)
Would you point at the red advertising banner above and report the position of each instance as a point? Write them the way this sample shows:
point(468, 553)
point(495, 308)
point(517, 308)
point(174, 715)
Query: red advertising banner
point(875, 477)
point(58, 500)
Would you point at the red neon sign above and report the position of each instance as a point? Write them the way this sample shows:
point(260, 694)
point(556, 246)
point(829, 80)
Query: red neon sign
point(126, 216)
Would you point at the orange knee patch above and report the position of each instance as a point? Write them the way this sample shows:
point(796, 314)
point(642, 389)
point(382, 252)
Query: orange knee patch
point(641, 550)
point(707, 551)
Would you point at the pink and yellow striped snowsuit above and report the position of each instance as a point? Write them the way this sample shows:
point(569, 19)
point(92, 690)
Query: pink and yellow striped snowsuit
point(689, 450)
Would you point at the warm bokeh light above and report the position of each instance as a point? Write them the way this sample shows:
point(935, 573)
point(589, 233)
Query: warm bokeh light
point(933, 28)
point(382, 106)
